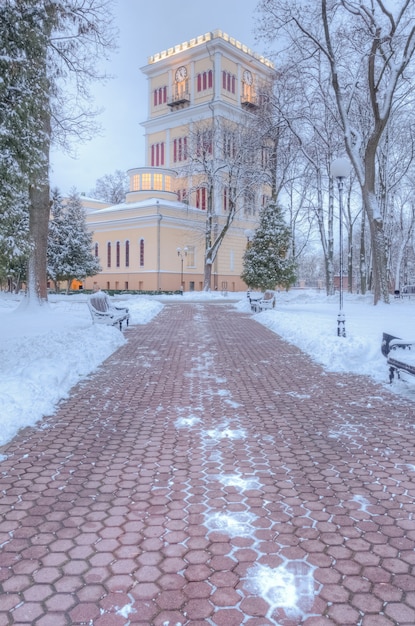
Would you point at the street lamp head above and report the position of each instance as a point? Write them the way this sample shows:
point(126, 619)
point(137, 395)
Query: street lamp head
point(340, 168)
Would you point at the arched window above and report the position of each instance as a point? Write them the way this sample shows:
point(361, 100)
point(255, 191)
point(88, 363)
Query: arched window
point(127, 253)
point(141, 252)
point(117, 253)
point(96, 250)
point(108, 254)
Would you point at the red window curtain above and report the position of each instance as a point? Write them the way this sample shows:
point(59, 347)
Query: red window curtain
point(127, 253)
point(141, 252)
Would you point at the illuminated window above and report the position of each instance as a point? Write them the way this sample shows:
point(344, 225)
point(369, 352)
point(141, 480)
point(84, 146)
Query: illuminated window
point(158, 182)
point(141, 252)
point(135, 182)
point(167, 183)
point(127, 253)
point(108, 254)
point(146, 181)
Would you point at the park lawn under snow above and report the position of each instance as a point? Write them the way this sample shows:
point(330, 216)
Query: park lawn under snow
point(44, 352)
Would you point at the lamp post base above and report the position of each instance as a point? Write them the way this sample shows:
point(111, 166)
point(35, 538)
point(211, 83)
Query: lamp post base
point(341, 324)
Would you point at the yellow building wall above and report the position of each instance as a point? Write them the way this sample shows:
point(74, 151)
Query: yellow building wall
point(163, 234)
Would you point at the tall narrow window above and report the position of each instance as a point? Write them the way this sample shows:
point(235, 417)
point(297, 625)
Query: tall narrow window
point(141, 252)
point(160, 96)
point(204, 142)
point(117, 253)
point(190, 256)
point(96, 250)
point(108, 254)
point(157, 154)
point(179, 149)
point(127, 253)
point(228, 82)
point(201, 198)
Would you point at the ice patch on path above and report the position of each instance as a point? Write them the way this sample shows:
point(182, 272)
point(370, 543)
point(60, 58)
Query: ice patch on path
point(290, 587)
point(185, 422)
point(235, 525)
point(237, 481)
point(226, 433)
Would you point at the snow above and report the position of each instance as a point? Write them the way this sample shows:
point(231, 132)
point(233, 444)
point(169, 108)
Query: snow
point(45, 352)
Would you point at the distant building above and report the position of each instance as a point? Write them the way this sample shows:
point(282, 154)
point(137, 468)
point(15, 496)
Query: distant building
point(155, 239)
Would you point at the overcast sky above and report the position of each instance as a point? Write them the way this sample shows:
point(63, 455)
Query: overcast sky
point(146, 27)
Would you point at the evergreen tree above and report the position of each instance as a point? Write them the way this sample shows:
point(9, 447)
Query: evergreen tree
point(69, 241)
point(50, 52)
point(266, 264)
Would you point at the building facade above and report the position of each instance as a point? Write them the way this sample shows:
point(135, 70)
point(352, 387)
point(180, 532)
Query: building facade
point(200, 96)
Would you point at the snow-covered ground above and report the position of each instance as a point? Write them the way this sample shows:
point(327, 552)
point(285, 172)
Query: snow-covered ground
point(44, 353)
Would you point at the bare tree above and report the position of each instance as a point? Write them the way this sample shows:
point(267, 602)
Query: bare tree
point(222, 162)
point(111, 187)
point(368, 49)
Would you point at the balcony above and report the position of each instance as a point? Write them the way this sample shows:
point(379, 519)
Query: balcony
point(249, 101)
point(180, 97)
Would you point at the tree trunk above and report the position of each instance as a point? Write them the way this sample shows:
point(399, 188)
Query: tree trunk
point(39, 213)
point(362, 256)
point(377, 236)
point(38, 234)
point(207, 276)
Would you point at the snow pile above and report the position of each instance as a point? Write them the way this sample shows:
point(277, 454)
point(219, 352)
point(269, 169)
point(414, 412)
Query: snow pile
point(45, 351)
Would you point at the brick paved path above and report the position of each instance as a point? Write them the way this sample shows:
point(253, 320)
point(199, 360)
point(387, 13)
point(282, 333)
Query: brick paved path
point(210, 473)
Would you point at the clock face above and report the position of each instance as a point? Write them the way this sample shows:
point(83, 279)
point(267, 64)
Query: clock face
point(181, 74)
point(247, 77)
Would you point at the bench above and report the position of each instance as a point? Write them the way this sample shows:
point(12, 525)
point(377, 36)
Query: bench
point(261, 302)
point(400, 355)
point(104, 312)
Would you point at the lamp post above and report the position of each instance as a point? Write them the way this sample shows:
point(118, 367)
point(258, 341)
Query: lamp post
point(340, 169)
point(181, 253)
